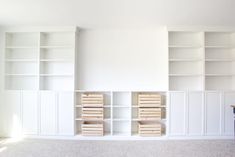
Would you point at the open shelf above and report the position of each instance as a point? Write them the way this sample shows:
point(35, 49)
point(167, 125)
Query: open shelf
point(57, 39)
point(219, 39)
point(22, 40)
point(185, 39)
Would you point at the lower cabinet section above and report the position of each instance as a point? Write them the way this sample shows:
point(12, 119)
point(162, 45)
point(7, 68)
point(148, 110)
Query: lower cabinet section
point(30, 112)
point(201, 113)
point(65, 113)
point(177, 111)
point(213, 113)
point(38, 113)
point(48, 115)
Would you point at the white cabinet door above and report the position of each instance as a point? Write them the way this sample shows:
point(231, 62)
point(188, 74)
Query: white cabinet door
point(30, 112)
point(213, 118)
point(229, 99)
point(195, 113)
point(177, 113)
point(12, 124)
point(48, 112)
point(66, 113)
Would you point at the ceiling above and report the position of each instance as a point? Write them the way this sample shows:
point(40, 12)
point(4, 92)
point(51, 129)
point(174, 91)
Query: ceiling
point(117, 13)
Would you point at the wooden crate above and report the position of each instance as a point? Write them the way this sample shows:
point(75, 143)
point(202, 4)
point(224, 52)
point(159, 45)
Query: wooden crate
point(92, 128)
point(149, 113)
point(150, 129)
point(149, 100)
point(92, 100)
point(92, 113)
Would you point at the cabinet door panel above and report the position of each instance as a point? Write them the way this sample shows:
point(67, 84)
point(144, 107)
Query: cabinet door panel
point(30, 112)
point(195, 108)
point(229, 99)
point(177, 113)
point(48, 113)
point(12, 124)
point(213, 113)
point(66, 113)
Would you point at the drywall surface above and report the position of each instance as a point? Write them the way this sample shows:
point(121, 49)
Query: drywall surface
point(122, 59)
point(1, 77)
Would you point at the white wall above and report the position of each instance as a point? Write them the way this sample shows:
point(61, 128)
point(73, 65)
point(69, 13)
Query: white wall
point(1, 77)
point(124, 59)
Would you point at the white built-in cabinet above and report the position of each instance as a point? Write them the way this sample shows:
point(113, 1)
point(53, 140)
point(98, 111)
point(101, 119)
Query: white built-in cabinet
point(195, 113)
point(41, 98)
point(39, 113)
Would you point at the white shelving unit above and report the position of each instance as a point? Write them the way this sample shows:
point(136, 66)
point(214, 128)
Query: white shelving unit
point(219, 67)
point(185, 60)
point(40, 60)
point(119, 109)
point(201, 60)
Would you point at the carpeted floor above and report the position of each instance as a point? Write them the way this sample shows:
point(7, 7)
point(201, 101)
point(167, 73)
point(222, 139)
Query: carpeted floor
point(72, 148)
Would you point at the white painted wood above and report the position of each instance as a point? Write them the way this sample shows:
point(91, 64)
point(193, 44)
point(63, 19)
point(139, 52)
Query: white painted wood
point(213, 116)
point(12, 125)
point(48, 112)
point(66, 113)
point(195, 113)
point(229, 99)
point(177, 113)
point(30, 112)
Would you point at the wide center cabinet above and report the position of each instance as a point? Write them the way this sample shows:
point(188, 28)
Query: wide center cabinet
point(42, 98)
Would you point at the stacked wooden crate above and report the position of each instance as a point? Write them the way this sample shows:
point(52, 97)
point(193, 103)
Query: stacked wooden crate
point(150, 113)
point(92, 114)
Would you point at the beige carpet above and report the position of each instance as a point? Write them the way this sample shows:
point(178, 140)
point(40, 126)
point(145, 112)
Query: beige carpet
point(67, 148)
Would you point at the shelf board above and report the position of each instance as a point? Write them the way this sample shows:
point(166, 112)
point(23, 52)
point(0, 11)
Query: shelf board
point(219, 47)
point(185, 60)
point(219, 60)
point(219, 75)
point(121, 106)
point(56, 60)
point(21, 60)
point(185, 46)
point(185, 75)
point(153, 119)
point(57, 47)
point(136, 106)
point(80, 119)
point(31, 75)
point(21, 47)
point(56, 75)
point(121, 119)
point(105, 106)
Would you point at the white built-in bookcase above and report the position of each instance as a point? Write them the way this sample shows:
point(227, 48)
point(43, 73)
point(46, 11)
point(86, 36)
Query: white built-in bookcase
point(40, 60)
point(201, 60)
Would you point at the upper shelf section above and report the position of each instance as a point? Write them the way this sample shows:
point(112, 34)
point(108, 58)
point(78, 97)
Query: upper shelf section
point(40, 60)
point(185, 39)
point(22, 40)
point(201, 60)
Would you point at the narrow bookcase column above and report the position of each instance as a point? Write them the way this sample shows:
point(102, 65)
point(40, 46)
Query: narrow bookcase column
point(220, 60)
point(93, 113)
point(185, 60)
point(57, 60)
point(21, 60)
point(121, 113)
point(148, 113)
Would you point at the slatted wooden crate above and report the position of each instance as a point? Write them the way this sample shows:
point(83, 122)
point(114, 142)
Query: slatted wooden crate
point(150, 129)
point(92, 113)
point(92, 100)
point(149, 100)
point(92, 128)
point(149, 113)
